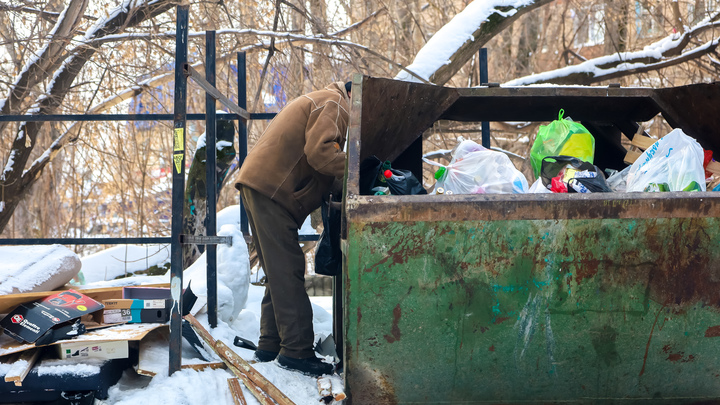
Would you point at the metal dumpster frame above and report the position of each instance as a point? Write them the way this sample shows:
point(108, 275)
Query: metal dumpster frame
point(528, 298)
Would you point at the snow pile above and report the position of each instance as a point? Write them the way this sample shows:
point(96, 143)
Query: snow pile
point(233, 274)
point(121, 260)
point(36, 268)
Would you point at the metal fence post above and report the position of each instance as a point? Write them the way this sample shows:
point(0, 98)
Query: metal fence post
point(242, 129)
point(178, 188)
point(483, 64)
point(211, 178)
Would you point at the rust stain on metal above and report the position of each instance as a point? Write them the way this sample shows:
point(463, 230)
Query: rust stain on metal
point(373, 386)
point(713, 331)
point(685, 276)
point(488, 207)
point(647, 347)
point(409, 246)
point(586, 269)
point(395, 329)
point(679, 356)
point(500, 319)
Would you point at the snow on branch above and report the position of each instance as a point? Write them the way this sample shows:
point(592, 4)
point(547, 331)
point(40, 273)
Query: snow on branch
point(290, 37)
point(456, 41)
point(14, 180)
point(47, 59)
point(668, 51)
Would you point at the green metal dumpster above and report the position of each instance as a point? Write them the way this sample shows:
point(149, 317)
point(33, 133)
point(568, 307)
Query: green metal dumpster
point(547, 298)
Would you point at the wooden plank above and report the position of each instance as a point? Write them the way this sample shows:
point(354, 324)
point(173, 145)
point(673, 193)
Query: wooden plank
point(631, 156)
point(236, 391)
point(338, 390)
point(324, 385)
point(259, 386)
point(226, 353)
point(22, 366)
point(642, 142)
point(204, 366)
point(713, 167)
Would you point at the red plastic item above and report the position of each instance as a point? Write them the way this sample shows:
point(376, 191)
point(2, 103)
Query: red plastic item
point(387, 174)
point(558, 186)
point(707, 159)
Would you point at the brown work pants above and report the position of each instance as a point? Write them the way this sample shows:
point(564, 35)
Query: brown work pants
point(286, 312)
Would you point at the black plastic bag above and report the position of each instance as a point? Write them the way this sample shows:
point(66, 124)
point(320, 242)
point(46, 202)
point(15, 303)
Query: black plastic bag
point(401, 182)
point(328, 256)
point(587, 176)
point(369, 174)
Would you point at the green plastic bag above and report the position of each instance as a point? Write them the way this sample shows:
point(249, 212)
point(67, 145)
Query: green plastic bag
point(562, 137)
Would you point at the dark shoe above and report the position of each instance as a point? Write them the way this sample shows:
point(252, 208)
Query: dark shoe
point(263, 356)
point(311, 366)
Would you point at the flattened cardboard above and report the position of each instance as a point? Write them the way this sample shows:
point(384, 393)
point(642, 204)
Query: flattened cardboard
point(30, 321)
point(131, 332)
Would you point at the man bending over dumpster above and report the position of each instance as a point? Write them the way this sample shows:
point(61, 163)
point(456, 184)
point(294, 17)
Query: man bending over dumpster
point(284, 178)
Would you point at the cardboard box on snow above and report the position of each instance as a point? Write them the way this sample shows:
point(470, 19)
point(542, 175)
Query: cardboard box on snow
point(127, 315)
point(117, 349)
point(29, 321)
point(139, 305)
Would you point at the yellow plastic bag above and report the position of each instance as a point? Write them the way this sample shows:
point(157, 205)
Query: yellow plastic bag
point(562, 137)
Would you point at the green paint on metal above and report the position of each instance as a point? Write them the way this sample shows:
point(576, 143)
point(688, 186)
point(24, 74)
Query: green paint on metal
point(532, 310)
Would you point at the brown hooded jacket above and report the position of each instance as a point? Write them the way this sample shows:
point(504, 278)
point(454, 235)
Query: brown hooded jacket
point(300, 153)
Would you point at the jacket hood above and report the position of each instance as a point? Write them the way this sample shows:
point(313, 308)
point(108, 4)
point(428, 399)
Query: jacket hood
point(340, 88)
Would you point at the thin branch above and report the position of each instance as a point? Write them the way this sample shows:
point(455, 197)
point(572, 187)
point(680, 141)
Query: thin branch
point(48, 15)
point(668, 51)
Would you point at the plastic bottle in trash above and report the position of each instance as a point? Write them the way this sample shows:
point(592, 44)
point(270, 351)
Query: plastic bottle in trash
point(389, 175)
point(381, 176)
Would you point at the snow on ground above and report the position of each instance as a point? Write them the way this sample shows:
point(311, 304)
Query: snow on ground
point(121, 260)
point(239, 315)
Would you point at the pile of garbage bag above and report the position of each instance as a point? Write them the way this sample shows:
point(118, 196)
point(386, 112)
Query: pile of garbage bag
point(477, 170)
point(562, 158)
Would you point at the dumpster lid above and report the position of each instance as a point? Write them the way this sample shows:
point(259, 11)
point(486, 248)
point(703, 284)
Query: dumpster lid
point(391, 114)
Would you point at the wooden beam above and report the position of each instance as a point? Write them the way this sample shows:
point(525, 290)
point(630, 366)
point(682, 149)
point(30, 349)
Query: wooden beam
point(215, 93)
point(22, 366)
point(643, 142)
point(236, 391)
point(259, 386)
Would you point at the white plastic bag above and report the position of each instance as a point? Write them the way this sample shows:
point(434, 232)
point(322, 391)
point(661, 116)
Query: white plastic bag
point(618, 180)
point(476, 170)
point(539, 188)
point(673, 163)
